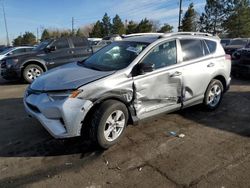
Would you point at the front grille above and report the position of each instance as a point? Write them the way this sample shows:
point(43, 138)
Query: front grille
point(3, 64)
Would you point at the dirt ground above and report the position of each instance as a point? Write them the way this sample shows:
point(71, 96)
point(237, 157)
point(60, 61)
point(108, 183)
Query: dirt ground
point(215, 151)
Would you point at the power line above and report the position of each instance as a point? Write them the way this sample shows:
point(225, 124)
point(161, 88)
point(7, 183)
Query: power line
point(6, 28)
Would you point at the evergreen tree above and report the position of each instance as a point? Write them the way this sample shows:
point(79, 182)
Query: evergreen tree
point(106, 25)
point(144, 26)
point(215, 13)
point(166, 28)
point(189, 21)
point(131, 27)
point(118, 26)
point(28, 39)
point(97, 30)
point(79, 33)
point(238, 23)
point(17, 41)
point(45, 35)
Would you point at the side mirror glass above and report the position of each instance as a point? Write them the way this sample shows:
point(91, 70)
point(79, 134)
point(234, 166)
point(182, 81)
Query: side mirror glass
point(146, 67)
point(51, 49)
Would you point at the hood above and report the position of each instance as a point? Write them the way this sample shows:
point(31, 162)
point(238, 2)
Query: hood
point(24, 55)
point(67, 77)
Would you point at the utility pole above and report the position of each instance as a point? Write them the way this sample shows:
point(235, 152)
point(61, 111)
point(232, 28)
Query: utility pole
point(37, 35)
point(180, 12)
point(6, 28)
point(72, 29)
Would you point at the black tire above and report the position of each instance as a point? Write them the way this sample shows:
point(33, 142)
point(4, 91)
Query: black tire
point(31, 72)
point(212, 106)
point(99, 122)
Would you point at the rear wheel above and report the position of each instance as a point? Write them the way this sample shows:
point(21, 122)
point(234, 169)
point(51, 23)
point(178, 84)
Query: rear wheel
point(213, 95)
point(31, 72)
point(109, 122)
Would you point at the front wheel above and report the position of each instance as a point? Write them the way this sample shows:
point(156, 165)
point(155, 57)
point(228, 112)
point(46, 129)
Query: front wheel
point(109, 122)
point(31, 72)
point(213, 95)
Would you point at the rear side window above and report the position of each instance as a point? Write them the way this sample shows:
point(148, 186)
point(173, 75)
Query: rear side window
point(61, 44)
point(80, 42)
point(28, 49)
point(211, 46)
point(191, 49)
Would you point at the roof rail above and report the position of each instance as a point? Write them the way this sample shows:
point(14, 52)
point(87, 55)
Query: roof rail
point(141, 34)
point(186, 33)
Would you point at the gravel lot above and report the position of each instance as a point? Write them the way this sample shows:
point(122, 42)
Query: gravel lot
point(215, 151)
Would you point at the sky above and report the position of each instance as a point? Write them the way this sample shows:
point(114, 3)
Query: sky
point(30, 15)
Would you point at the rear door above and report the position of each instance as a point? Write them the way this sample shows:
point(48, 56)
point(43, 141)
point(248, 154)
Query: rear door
point(62, 55)
point(160, 90)
point(198, 67)
point(81, 49)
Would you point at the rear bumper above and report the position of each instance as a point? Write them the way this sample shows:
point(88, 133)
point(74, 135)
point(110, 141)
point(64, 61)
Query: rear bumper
point(61, 118)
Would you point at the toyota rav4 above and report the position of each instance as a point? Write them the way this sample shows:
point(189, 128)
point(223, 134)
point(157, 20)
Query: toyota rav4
point(127, 81)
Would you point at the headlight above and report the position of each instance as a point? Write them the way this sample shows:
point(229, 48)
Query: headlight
point(63, 95)
point(15, 60)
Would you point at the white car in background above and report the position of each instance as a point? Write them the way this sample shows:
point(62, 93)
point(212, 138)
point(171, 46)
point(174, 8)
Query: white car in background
point(15, 50)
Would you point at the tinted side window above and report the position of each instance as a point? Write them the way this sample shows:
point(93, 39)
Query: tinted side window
point(80, 42)
point(191, 49)
point(211, 45)
point(162, 55)
point(61, 44)
point(28, 49)
point(21, 50)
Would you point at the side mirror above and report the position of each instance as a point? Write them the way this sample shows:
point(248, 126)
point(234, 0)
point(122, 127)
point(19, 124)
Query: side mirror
point(51, 49)
point(10, 53)
point(146, 67)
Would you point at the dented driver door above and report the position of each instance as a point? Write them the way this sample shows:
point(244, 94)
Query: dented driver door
point(160, 89)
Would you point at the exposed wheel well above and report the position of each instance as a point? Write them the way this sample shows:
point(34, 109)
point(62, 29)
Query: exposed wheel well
point(86, 122)
point(223, 81)
point(35, 63)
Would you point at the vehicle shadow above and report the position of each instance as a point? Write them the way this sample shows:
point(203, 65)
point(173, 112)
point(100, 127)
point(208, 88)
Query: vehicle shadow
point(231, 116)
point(21, 136)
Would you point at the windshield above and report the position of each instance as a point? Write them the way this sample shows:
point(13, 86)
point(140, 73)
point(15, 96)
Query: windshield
point(239, 42)
point(115, 56)
point(6, 51)
point(42, 45)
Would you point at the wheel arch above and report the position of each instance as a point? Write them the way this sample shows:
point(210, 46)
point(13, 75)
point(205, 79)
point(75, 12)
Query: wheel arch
point(36, 62)
point(97, 103)
point(222, 79)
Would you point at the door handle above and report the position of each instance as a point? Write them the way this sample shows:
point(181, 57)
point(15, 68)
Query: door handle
point(175, 74)
point(210, 65)
point(71, 52)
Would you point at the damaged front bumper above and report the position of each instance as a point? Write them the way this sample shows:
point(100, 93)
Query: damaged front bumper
point(61, 118)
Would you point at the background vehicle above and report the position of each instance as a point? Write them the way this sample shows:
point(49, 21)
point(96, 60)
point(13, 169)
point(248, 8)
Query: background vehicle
point(94, 41)
point(236, 44)
point(225, 42)
point(15, 50)
point(241, 62)
point(128, 81)
point(3, 47)
point(46, 55)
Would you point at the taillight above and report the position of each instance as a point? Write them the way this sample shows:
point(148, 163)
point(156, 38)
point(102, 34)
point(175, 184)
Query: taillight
point(228, 57)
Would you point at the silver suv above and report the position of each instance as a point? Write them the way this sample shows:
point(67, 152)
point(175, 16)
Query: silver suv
point(127, 81)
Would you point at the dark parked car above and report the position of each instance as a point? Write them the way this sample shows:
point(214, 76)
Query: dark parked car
point(241, 62)
point(236, 44)
point(48, 54)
